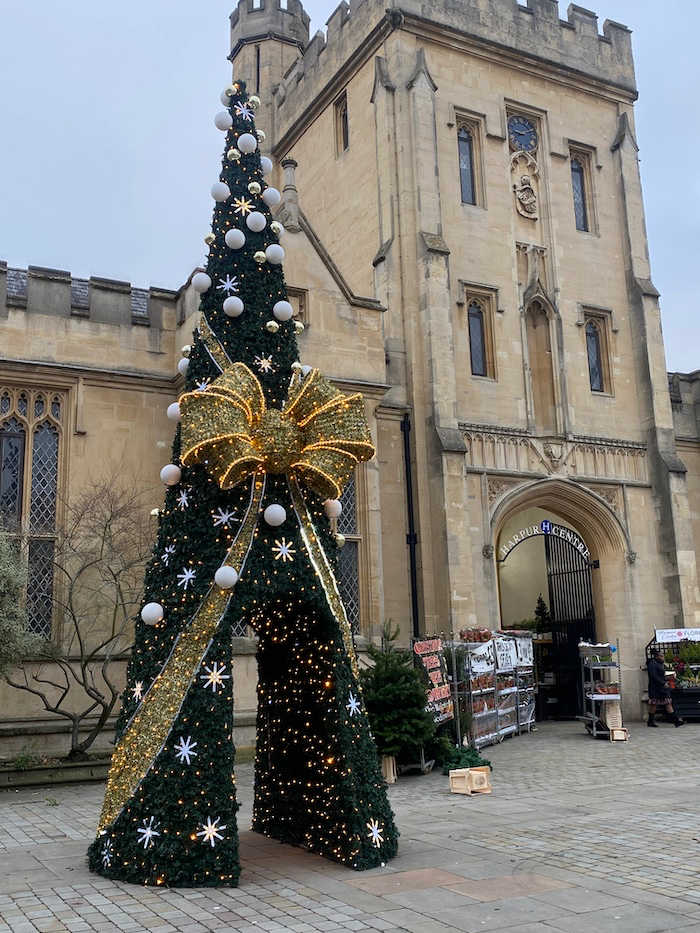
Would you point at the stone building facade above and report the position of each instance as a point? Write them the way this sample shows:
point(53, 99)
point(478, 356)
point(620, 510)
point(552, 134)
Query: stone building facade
point(465, 241)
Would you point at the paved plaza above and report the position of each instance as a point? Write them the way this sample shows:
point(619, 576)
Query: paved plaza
point(578, 835)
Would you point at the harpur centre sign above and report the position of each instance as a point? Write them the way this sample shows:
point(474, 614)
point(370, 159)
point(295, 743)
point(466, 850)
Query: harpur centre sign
point(545, 527)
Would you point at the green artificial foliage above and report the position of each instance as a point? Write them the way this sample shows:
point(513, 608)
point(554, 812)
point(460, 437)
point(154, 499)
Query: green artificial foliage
point(396, 695)
point(543, 618)
point(16, 643)
point(317, 777)
point(464, 757)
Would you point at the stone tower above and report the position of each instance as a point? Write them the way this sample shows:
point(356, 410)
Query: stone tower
point(267, 36)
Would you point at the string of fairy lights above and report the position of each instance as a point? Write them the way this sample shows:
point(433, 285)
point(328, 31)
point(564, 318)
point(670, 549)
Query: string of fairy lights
point(239, 543)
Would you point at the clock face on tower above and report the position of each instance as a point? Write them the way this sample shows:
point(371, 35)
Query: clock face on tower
point(522, 134)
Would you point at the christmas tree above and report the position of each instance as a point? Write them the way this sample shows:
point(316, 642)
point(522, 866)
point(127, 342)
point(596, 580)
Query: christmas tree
point(261, 453)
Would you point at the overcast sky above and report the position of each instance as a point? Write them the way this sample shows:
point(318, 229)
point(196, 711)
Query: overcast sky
point(108, 151)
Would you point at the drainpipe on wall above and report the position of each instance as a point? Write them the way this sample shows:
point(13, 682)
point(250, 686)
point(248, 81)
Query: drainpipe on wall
point(411, 537)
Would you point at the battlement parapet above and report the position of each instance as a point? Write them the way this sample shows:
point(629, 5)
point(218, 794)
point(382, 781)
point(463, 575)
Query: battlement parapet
point(105, 301)
point(534, 29)
point(254, 20)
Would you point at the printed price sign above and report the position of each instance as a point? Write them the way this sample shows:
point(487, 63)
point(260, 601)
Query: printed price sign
point(672, 635)
point(440, 702)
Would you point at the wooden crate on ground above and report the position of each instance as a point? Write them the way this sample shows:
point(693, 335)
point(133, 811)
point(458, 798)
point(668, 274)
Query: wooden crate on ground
point(471, 781)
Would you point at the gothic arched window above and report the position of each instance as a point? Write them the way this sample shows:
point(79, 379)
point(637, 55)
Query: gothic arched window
point(578, 183)
point(595, 357)
point(465, 143)
point(477, 340)
point(30, 436)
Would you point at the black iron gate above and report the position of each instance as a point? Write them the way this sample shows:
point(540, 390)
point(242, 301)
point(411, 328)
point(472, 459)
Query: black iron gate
point(573, 617)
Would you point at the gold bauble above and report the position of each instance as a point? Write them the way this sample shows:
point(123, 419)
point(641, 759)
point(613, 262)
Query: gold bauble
point(340, 541)
point(254, 101)
point(272, 327)
point(276, 227)
point(260, 257)
point(254, 187)
point(261, 135)
point(155, 513)
point(233, 155)
point(298, 327)
point(186, 350)
point(296, 366)
point(231, 90)
point(210, 239)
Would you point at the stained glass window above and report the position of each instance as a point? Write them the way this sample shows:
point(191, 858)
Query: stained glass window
point(578, 182)
point(477, 340)
point(465, 144)
point(595, 361)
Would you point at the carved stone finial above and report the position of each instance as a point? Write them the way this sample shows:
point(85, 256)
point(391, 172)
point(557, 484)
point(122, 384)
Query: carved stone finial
point(288, 213)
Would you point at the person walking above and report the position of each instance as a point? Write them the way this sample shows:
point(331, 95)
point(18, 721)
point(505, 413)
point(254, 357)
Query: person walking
point(659, 694)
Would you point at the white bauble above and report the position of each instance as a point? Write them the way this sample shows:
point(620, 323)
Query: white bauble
point(171, 474)
point(220, 191)
point(333, 508)
point(223, 120)
point(201, 282)
point(183, 366)
point(226, 577)
point(174, 411)
point(235, 238)
point(233, 306)
point(271, 197)
point(266, 165)
point(274, 254)
point(275, 515)
point(152, 613)
point(255, 221)
point(247, 142)
point(282, 310)
point(226, 96)
point(305, 370)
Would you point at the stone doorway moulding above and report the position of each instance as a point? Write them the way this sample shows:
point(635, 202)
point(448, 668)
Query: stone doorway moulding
point(600, 528)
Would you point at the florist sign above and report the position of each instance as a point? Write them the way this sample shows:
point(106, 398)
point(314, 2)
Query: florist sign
point(545, 527)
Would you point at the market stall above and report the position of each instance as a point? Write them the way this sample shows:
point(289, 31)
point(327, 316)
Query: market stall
point(680, 650)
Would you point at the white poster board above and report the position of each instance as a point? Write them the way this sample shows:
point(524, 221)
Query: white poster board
point(506, 654)
point(481, 658)
point(524, 652)
point(673, 635)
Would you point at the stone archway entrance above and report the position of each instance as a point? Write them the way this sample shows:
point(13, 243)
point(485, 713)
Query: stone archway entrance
point(557, 540)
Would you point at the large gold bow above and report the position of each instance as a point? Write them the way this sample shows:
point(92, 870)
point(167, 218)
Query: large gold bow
point(318, 437)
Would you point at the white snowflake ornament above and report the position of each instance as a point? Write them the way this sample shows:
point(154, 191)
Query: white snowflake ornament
point(210, 832)
point(148, 831)
point(186, 577)
point(214, 677)
point(184, 750)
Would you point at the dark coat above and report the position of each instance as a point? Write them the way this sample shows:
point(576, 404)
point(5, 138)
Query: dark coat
point(657, 679)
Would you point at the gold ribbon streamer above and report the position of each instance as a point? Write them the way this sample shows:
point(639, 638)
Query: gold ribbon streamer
point(323, 569)
point(319, 437)
point(217, 353)
point(150, 726)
